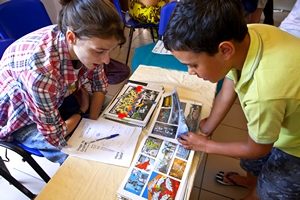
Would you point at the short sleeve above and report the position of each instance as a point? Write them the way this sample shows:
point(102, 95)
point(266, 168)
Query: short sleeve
point(232, 75)
point(265, 119)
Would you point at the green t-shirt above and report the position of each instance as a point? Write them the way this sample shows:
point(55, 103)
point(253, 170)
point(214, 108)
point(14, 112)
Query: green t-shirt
point(269, 88)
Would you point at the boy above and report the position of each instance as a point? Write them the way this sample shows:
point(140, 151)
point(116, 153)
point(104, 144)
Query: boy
point(42, 72)
point(261, 65)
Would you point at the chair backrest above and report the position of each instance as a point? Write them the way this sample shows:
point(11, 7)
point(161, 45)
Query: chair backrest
point(165, 14)
point(3, 35)
point(19, 17)
point(4, 44)
point(249, 5)
point(119, 9)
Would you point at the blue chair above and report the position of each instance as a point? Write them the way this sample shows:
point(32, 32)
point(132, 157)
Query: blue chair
point(249, 5)
point(132, 25)
point(3, 35)
point(165, 14)
point(26, 157)
point(24, 151)
point(19, 17)
point(4, 43)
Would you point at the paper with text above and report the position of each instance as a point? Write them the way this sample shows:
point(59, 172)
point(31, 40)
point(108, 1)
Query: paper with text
point(159, 48)
point(118, 150)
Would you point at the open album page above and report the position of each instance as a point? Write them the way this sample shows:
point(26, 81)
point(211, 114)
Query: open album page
point(161, 166)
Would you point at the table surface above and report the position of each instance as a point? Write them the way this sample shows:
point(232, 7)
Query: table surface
point(85, 179)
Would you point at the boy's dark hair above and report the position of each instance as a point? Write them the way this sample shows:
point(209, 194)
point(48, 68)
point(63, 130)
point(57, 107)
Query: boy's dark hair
point(201, 25)
point(91, 18)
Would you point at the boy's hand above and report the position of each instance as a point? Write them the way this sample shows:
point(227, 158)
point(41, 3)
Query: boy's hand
point(194, 141)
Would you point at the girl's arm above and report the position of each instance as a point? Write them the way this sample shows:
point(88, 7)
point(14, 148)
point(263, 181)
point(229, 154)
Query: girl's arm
point(96, 103)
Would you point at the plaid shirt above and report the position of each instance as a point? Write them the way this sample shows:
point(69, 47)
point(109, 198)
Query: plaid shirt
point(36, 74)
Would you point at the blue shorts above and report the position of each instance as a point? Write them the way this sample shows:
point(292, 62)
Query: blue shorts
point(278, 175)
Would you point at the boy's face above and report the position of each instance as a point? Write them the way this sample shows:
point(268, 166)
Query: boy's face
point(94, 51)
point(211, 68)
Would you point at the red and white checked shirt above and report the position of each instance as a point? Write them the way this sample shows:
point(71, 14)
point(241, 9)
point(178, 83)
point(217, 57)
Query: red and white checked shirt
point(36, 74)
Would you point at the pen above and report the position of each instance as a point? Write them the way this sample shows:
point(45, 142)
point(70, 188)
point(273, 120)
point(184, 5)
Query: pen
point(137, 82)
point(105, 138)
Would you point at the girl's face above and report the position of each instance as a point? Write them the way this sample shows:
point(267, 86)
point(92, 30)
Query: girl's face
point(92, 52)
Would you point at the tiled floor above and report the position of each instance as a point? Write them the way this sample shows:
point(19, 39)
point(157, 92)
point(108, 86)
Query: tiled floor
point(205, 187)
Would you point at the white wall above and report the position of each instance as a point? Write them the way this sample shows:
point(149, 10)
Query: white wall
point(284, 4)
point(53, 7)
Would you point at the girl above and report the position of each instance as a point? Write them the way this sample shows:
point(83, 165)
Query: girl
point(49, 66)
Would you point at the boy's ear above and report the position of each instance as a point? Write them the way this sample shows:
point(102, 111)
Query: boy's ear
point(227, 49)
point(71, 37)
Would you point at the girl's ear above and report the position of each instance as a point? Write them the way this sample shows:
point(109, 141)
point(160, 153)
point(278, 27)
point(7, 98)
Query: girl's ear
point(71, 37)
point(227, 49)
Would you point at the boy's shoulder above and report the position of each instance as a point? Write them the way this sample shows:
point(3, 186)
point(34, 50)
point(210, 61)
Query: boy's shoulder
point(269, 33)
point(273, 40)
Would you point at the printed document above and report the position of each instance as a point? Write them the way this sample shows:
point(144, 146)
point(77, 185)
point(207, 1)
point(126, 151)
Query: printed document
point(91, 140)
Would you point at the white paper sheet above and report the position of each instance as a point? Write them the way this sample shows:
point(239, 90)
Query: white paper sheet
point(159, 48)
point(118, 150)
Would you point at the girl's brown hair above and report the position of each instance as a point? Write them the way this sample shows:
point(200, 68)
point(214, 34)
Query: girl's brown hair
point(91, 18)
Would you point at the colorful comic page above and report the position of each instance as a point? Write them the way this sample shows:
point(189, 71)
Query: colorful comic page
point(134, 104)
point(158, 171)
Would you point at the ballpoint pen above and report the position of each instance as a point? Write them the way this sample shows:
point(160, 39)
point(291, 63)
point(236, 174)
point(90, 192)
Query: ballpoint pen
point(105, 138)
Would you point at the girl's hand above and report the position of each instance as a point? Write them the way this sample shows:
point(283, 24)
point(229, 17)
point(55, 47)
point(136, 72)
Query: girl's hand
point(194, 141)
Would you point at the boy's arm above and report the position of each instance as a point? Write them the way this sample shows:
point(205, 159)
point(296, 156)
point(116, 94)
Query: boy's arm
point(248, 149)
point(97, 101)
point(221, 106)
point(242, 149)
